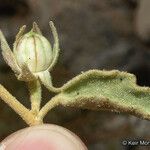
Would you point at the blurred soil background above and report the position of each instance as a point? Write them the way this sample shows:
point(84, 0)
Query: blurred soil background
point(94, 34)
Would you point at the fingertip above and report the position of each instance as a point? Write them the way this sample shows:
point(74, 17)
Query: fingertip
point(47, 137)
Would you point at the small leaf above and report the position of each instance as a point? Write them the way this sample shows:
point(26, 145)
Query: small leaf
point(107, 90)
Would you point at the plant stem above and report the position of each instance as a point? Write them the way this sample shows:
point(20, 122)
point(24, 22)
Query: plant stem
point(48, 106)
point(25, 114)
point(35, 96)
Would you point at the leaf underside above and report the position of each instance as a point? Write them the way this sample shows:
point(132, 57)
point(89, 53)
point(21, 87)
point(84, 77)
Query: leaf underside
point(107, 90)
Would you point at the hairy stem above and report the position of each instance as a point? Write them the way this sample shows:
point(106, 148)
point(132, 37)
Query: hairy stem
point(25, 114)
point(48, 106)
point(35, 96)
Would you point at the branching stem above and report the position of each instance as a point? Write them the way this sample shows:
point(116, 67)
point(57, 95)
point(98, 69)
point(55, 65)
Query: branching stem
point(35, 96)
point(25, 114)
point(48, 106)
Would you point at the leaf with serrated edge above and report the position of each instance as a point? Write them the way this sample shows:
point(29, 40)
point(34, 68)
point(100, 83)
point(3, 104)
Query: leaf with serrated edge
point(107, 90)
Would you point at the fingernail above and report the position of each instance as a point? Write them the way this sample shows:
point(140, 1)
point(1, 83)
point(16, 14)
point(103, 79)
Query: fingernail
point(2, 147)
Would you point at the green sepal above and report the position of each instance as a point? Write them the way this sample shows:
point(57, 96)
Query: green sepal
point(20, 33)
point(26, 75)
point(56, 48)
point(46, 80)
point(8, 54)
point(36, 29)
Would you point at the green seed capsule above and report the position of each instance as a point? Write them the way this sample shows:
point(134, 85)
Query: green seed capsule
point(34, 50)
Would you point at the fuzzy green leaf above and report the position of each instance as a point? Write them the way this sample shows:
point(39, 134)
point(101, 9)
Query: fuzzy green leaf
point(107, 90)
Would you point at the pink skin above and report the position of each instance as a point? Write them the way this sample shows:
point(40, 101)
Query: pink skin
point(43, 137)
